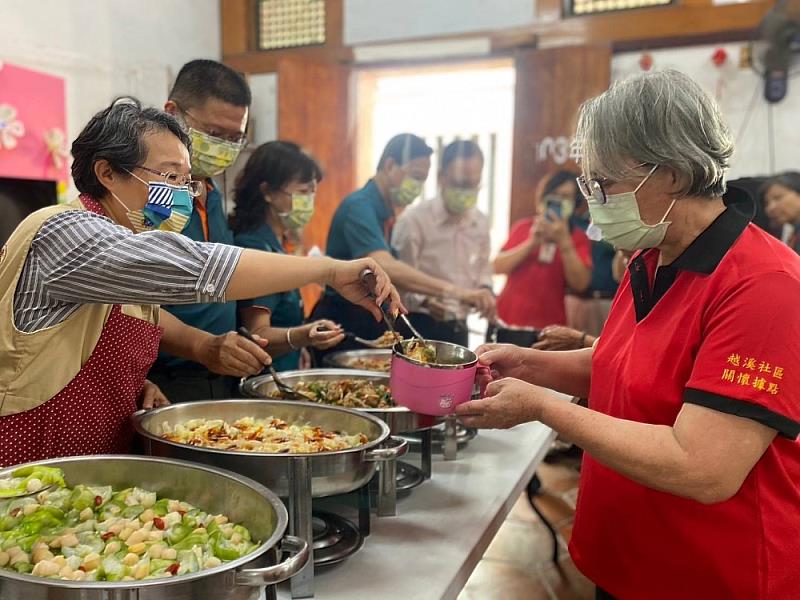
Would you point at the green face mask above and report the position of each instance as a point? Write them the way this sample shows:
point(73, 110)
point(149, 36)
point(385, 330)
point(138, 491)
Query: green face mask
point(212, 155)
point(409, 190)
point(460, 200)
point(301, 213)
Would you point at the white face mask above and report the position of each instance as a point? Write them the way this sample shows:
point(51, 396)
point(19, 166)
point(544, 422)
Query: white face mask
point(621, 224)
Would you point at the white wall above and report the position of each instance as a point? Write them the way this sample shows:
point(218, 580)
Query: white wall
point(264, 110)
point(736, 90)
point(376, 21)
point(107, 48)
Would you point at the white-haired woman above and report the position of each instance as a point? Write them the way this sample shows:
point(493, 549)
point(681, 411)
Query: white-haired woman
point(690, 482)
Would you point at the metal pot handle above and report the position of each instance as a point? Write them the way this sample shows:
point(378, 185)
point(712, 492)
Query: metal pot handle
point(280, 572)
point(398, 448)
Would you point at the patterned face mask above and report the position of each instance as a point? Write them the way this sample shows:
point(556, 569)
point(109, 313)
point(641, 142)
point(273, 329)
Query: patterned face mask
point(212, 155)
point(168, 208)
point(459, 200)
point(301, 213)
point(408, 191)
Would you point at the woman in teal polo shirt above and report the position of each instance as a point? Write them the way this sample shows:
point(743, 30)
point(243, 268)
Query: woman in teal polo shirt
point(275, 195)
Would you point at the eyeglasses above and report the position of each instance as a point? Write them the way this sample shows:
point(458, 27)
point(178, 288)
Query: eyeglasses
point(195, 186)
point(233, 138)
point(592, 189)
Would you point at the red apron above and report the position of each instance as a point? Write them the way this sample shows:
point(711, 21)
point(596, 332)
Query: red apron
point(91, 415)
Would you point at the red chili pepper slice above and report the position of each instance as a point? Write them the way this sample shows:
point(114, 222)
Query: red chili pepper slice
point(107, 536)
point(173, 568)
point(98, 500)
point(159, 523)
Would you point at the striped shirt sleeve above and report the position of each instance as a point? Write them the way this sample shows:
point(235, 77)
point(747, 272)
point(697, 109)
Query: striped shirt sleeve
point(85, 258)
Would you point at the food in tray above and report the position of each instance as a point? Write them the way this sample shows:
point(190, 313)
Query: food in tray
point(419, 351)
point(94, 533)
point(260, 435)
point(371, 364)
point(388, 339)
point(33, 481)
point(349, 393)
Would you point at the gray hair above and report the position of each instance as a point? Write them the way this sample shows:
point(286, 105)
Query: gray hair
point(662, 118)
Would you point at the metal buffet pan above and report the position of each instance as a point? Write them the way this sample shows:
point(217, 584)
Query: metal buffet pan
point(296, 477)
point(398, 418)
point(336, 472)
point(358, 359)
point(213, 490)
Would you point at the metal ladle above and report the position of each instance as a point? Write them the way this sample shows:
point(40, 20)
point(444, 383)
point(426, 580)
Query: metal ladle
point(26, 494)
point(286, 391)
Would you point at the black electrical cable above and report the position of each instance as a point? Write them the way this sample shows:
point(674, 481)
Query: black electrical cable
point(771, 138)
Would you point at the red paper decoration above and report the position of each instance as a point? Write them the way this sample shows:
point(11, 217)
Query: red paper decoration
point(720, 57)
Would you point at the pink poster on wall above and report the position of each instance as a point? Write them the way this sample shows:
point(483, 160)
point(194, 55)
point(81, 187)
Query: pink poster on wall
point(33, 122)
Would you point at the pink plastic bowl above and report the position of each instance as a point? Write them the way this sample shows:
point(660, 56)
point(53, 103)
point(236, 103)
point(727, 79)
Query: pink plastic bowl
point(434, 389)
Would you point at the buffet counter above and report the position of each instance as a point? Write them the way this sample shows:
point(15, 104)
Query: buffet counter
point(444, 526)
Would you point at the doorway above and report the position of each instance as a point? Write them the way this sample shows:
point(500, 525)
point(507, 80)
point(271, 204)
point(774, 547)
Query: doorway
point(442, 103)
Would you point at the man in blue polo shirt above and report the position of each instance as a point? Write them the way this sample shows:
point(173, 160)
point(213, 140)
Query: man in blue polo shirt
point(212, 101)
point(362, 226)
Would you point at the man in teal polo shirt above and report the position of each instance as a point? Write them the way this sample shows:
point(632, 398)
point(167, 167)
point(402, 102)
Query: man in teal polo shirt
point(212, 102)
point(362, 226)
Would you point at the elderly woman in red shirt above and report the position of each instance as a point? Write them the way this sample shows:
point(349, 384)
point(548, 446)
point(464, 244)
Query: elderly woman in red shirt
point(689, 485)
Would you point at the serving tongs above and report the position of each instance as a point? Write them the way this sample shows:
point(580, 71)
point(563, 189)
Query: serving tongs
point(371, 282)
point(287, 392)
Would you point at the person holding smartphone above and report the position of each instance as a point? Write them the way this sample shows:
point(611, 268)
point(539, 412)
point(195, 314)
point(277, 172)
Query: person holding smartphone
point(543, 257)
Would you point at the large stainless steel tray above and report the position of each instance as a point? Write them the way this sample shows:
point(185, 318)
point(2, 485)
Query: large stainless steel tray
point(333, 473)
point(398, 418)
point(213, 490)
point(348, 359)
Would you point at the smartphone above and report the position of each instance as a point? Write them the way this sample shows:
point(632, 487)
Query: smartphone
point(553, 205)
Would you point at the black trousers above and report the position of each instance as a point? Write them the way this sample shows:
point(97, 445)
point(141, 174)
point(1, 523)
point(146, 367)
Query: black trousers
point(601, 594)
point(188, 385)
point(455, 332)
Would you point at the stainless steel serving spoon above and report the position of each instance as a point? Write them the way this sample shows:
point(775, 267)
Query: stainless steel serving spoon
point(286, 391)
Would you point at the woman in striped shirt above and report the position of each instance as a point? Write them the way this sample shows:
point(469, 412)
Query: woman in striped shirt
point(80, 286)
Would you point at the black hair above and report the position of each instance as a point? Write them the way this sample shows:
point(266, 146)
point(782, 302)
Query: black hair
point(788, 179)
point(117, 135)
point(277, 164)
point(459, 149)
point(403, 148)
point(201, 79)
point(558, 179)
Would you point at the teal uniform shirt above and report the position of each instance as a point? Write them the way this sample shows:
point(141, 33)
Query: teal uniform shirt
point(359, 224)
point(213, 318)
point(359, 227)
point(602, 260)
point(286, 307)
